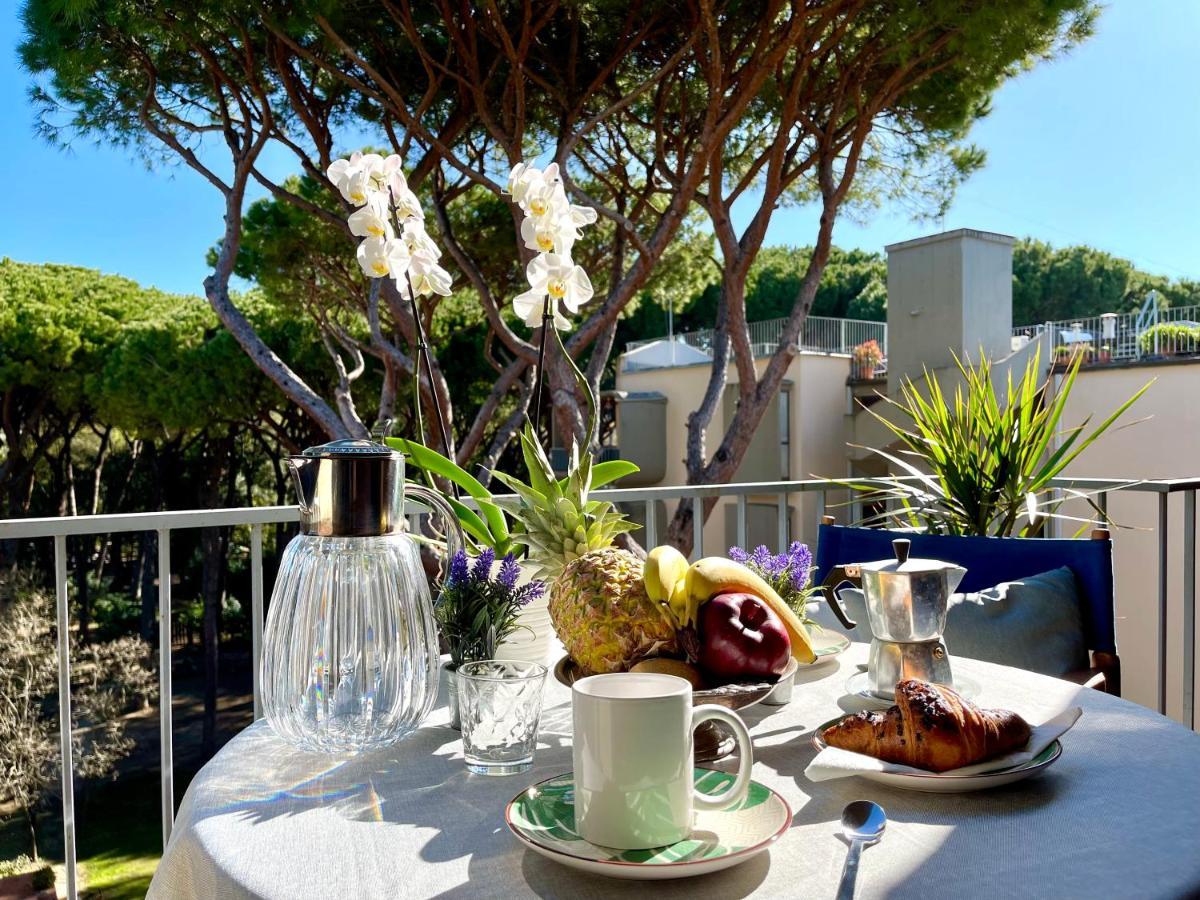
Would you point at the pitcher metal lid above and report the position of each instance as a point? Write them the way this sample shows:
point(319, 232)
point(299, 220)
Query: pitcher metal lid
point(350, 488)
point(351, 447)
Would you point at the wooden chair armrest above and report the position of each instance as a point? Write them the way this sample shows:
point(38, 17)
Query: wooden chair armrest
point(1092, 678)
point(1104, 674)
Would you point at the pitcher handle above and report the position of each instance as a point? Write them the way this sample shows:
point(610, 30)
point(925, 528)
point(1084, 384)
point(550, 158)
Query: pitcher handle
point(837, 577)
point(454, 533)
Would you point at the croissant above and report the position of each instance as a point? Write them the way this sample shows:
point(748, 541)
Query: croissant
point(930, 727)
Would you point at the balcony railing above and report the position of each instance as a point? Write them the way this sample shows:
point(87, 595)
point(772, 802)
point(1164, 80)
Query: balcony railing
point(164, 523)
point(820, 334)
point(1123, 337)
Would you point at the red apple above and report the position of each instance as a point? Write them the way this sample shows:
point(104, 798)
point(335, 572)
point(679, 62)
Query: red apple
point(741, 639)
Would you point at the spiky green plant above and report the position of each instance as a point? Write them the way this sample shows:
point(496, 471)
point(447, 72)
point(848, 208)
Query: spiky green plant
point(982, 464)
point(554, 517)
point(557, 521)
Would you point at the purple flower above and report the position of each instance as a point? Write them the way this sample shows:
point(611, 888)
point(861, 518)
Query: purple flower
point(799, 565)
point(510, 571)
point(458, 569)
point(483, 565)
point(787, 572)
point(527, 593)
point(761, 558)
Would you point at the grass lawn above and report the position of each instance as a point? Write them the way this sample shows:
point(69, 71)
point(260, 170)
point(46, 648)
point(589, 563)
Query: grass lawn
point(119, 839)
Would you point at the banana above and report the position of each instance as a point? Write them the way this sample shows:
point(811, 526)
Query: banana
point(664, 567)
point(717, 575)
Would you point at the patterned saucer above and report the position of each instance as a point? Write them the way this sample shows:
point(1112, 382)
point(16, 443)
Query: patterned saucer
point(543, 819)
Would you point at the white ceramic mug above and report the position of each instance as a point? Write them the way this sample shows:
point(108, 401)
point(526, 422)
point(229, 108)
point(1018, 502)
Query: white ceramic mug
point(633, 759)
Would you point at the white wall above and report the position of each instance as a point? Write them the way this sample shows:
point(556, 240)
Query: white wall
point(818, 405)
point(1164, 445)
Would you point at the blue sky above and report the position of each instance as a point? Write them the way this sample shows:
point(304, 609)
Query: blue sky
point(1099, 147)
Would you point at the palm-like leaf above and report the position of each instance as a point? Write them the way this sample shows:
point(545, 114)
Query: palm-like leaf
point(978, 463)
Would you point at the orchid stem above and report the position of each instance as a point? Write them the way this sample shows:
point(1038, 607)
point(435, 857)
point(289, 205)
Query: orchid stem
point(423, 354)
point(537, 402)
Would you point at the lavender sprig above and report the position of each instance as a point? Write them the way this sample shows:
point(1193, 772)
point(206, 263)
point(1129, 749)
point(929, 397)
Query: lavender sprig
point(788, 573)
point(476, 611)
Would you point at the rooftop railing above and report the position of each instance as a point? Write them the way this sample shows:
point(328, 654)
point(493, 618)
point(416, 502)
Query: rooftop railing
point(165, 523)
point(1124, 337)
point(821, 334)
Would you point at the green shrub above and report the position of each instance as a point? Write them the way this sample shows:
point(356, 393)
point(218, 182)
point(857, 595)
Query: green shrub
point(18, 865)
point(1173, 337)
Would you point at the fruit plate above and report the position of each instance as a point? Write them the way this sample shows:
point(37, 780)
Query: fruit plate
point(542, 817)
point(949, 783)
point(712, 740)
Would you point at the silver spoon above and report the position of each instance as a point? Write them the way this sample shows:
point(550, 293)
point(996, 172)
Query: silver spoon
point(862, 823)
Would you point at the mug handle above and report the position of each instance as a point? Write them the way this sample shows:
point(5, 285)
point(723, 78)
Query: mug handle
point(736, 792)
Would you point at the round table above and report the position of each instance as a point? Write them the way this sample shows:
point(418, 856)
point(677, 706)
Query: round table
point(1117, 816)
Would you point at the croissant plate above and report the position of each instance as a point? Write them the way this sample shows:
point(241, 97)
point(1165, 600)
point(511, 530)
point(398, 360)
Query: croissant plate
point(930, 727)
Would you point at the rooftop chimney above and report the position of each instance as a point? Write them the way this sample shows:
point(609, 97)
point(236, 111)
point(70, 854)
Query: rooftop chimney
point(948, 294)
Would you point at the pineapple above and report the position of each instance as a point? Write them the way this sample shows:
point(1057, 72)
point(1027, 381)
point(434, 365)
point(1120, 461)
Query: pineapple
point(602, 614)
point(597, 597)
point(556, 521)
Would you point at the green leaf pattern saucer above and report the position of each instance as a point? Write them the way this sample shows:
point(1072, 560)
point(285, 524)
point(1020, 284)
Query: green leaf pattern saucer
point(543, 818)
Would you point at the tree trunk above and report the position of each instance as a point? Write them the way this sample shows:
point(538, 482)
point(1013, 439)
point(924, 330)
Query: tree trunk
point(210, 585)
point(146, 572)
point(33, 844)
point(212, 556)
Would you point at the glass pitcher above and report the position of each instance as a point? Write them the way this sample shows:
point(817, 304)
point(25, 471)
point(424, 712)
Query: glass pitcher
point(350, 652)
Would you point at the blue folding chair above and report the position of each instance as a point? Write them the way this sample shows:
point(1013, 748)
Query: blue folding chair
point(990, 561)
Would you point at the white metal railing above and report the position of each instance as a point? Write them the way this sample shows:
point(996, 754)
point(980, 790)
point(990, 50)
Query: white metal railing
point(821, 334)
point(163, 523)
point(1115, 337)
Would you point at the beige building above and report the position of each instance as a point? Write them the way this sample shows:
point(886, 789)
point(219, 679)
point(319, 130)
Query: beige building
point(948, 294)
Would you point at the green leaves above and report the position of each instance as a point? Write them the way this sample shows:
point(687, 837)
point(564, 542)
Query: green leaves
point(488, 527)
point(980, 463)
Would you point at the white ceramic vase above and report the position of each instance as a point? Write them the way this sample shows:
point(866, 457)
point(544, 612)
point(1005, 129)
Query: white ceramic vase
point(534, 637)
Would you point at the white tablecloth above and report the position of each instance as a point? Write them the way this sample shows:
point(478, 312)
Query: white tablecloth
point(1117, 816)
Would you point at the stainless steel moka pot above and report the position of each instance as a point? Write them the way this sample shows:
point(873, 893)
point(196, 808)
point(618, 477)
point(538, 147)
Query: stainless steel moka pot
point(906, 603)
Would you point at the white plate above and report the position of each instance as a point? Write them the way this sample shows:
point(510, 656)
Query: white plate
point(827, 644)
point(943, 783)
point(542, 818)
point(859, 685)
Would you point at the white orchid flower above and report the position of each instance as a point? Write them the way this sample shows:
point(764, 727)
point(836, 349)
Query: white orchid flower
point(349, 178)
point(582, 215)
point(362, 175)
point(427, 277)
point(418, 239)
point(406, 202)
point(380, 256)
point(555, 233)
point(339, 168)
point(558, 278)
point(372, 219)
point(533, 189)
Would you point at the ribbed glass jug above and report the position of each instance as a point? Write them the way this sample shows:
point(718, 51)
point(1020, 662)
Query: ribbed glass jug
point(350, 651)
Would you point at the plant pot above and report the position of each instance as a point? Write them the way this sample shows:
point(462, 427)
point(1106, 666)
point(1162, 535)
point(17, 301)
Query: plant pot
point(534, 637)
point(451, 678)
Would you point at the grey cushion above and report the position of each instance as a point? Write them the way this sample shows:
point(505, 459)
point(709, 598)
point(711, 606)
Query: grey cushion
point(1033, 624)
